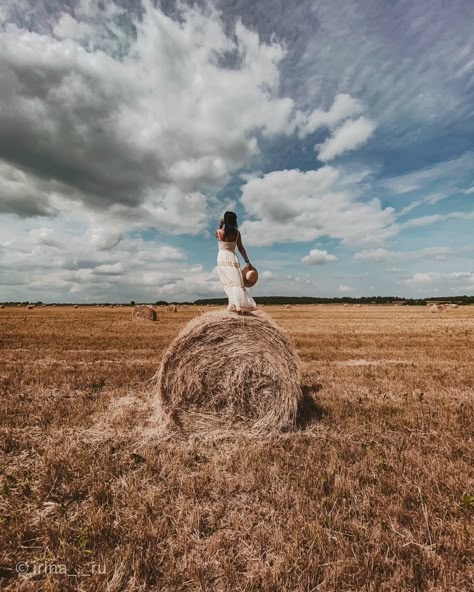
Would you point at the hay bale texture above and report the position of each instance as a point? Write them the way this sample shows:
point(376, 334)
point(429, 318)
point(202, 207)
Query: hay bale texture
point(144, 312)
point(172, 308)
point(226, 370)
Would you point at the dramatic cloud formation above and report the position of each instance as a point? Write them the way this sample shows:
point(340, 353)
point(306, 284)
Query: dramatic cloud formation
point(127, 128)
point(149, 121)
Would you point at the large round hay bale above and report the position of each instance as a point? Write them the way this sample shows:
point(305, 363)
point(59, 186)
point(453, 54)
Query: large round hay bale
point(144, 312)
point(30, 306)
point(172, 308)
point(229, 370)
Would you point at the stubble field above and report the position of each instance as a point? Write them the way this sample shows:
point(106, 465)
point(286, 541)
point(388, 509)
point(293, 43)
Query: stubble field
point(374, 490)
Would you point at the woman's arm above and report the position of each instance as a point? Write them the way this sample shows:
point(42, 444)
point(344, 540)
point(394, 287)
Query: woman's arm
point(221, 224)
point(243, 252)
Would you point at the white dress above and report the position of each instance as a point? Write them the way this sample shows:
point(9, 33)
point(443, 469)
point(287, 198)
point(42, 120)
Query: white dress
point(228, 268)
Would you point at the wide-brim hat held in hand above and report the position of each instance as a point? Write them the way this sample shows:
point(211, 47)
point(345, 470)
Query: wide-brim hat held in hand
point(250, 276)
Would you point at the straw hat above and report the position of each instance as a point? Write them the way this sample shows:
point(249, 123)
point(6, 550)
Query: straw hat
point(250, 276)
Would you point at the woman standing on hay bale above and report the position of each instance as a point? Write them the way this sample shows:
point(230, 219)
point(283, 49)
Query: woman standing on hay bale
point(228, 266)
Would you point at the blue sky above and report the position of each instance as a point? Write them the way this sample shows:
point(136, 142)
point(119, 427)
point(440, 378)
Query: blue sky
point(342, 134)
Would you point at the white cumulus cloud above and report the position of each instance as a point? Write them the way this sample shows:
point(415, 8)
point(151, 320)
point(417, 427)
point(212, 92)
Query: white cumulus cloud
point(350, 135)
point(318, 257)
point(153, 120)
point(294, 206)
point(344, 288)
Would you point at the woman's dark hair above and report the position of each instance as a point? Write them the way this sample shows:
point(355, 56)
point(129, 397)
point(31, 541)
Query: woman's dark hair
point(230, 223)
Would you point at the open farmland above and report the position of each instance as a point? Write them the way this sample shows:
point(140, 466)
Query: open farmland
point(373, 491)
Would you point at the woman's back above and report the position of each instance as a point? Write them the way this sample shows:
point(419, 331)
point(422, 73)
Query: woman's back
point(227, 238)
point(227, 243)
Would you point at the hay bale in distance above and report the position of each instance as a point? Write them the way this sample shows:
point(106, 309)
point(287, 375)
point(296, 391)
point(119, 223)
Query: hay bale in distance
point(30, 306)
point(288, 306)
point(229, 370)
point(144, 312)
point(172, 308)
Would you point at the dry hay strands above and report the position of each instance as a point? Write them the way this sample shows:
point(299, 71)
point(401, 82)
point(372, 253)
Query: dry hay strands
point(229, 371)
point(144, 312)
point(439, 307)
point(172, 308)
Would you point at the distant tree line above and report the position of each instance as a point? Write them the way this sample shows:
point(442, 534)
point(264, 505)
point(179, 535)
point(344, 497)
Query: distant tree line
point(345, 300)
point(290, 300)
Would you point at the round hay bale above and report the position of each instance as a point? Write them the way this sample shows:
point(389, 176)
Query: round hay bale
point(172, 308)
point(1, 306)
point(229, 370)
point(288, 306)
point(76, 306)
point(30, 306)
point(144, 312)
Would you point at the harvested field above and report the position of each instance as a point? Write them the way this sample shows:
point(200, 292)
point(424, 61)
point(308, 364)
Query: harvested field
point(373, 490)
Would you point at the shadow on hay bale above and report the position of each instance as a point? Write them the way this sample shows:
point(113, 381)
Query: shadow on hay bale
point(230, 371)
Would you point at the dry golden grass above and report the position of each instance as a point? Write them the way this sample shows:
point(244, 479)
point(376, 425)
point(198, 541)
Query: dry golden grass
point(373, 491)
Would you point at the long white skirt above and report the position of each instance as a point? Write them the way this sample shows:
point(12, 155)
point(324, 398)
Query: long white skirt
point(228, 268)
